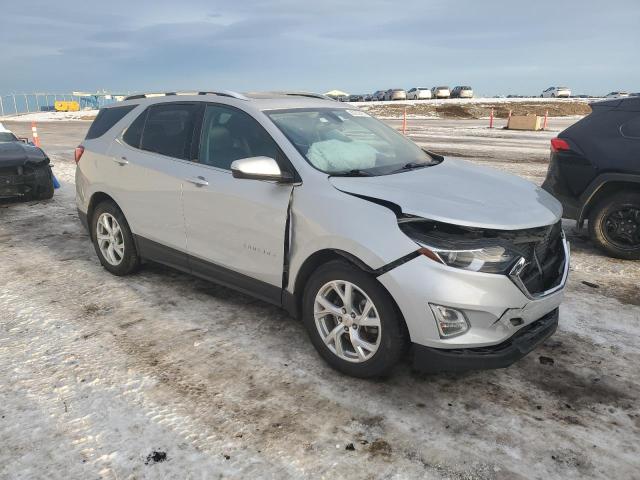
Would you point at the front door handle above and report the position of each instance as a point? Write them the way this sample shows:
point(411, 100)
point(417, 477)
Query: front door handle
point(198, 181)
point(121, 160)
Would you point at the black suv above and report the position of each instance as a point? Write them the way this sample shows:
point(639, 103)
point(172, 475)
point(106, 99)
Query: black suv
point(595, 172)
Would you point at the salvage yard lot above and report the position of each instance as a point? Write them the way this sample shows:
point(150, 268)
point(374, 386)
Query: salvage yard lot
point(103, 375)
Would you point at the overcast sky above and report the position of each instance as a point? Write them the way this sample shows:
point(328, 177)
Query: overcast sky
point(498, 47)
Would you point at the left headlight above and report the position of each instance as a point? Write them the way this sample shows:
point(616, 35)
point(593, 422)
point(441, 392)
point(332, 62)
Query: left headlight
point(460, 247)
point(490, 259)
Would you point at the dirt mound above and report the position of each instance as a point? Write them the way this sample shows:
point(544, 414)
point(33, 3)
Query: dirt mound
point(471, 110)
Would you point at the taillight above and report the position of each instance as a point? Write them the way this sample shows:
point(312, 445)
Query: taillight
point(558, 144)
point(78, 153)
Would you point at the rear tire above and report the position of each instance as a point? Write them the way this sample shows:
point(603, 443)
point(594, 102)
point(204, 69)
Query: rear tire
point(108, 226)
point(614, 225)
point(358, 347)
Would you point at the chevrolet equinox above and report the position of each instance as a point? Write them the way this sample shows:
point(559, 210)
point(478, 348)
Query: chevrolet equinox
point(315, 206)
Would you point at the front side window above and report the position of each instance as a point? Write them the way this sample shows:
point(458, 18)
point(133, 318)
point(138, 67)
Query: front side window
point(168, 129)
point(348, 142)
point(230, 134)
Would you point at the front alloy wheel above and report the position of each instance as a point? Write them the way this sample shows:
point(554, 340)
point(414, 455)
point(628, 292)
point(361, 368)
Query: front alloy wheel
point(347, 321)
point(352, 321)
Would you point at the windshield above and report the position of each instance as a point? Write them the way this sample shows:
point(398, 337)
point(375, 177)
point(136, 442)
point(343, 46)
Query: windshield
point(7, 137)
point(348, 142)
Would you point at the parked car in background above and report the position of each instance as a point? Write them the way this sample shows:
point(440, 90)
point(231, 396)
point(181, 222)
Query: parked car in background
point(440, 92)
point(325, 211)
point(553, 92)
point(25, 170)
point(356, 98)
point(395, 94)
point(378, 95)
point(594, 171)
point(462, 92)
point(417, 93)
point(617, 94)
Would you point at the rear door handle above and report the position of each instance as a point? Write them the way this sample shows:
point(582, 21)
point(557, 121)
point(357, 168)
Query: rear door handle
point(198, 181)
point(121, 160)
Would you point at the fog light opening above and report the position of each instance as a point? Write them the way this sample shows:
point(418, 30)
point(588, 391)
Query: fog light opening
point(450, 321)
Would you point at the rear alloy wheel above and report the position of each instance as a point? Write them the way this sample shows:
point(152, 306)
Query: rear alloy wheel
point(110, 239)
point(352, 321)
point(113, 241)
point(614, 225)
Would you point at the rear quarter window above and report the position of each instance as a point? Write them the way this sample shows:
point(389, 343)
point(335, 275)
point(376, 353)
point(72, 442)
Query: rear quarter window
point(107, 118)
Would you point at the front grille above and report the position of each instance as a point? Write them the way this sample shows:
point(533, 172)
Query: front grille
point(545, 261)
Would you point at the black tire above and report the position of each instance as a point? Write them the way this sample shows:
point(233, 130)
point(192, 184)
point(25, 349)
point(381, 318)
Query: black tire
point(607, 212)
point(394, 336)
point(44, 188)
point(130, 261)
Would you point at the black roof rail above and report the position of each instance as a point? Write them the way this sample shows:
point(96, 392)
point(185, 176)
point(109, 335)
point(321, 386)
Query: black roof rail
point(220, 93)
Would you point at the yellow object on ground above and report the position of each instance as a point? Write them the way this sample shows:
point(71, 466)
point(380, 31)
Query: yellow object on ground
point(525, 122)
point(64, 106)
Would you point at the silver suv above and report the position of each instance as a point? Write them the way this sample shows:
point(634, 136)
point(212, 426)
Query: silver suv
point(315, 206)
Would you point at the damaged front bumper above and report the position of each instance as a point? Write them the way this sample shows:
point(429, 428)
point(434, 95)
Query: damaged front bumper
point(433, 360)
point(497, 310)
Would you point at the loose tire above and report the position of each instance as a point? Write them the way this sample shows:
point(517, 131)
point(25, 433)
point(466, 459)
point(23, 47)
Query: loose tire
point(364, 337)
point(614, 225)
point(113, 241)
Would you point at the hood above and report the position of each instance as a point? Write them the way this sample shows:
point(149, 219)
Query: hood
point(15, 154)
point(461, 193)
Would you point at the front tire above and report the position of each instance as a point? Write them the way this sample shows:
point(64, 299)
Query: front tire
point(352, 321)
point(43, 190)
point(614, 225)
point(113, 241)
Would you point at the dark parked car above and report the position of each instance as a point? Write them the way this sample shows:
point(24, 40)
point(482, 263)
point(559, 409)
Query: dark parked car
point(356, 98)
point(595, 172)
point(462, 91)
point(24, 169)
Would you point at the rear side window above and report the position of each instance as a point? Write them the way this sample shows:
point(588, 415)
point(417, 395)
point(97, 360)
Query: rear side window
point(107, 118)
point(631, 129)
point(133, 135)
point(168, 129)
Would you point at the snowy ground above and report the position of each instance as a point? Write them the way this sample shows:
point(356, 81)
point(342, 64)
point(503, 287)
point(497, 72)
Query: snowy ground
point(98, 372)
point(52, 116)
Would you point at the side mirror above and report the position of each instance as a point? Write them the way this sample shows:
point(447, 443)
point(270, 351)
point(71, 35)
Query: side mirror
point(260, 168)
point(24, 140)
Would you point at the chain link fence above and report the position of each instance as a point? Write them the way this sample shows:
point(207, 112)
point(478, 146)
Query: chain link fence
point(19, 103)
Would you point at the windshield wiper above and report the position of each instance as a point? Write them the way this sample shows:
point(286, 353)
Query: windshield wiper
point(412, 166)
point(356, 172)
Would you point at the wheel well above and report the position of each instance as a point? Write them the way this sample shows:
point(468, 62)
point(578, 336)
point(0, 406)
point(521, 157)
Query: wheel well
point(607, 189)
point(96, 199)
point(319, 258)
